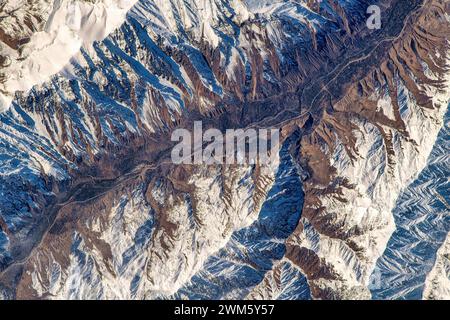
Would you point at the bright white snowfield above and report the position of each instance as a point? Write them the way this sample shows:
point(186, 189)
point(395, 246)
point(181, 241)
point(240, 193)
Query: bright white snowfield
point(70, 24)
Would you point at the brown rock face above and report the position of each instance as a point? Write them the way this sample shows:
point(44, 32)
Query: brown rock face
point(405, 65)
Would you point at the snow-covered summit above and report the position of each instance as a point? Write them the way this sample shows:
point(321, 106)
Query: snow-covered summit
point(40, 37)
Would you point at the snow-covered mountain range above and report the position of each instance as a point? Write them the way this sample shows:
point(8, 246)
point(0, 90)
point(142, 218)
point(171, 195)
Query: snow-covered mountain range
point(91, 206)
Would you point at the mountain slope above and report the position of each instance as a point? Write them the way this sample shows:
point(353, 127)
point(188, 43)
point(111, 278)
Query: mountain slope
point(93, 207)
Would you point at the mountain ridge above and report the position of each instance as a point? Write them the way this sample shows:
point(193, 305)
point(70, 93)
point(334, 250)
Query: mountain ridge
point(132, 89)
